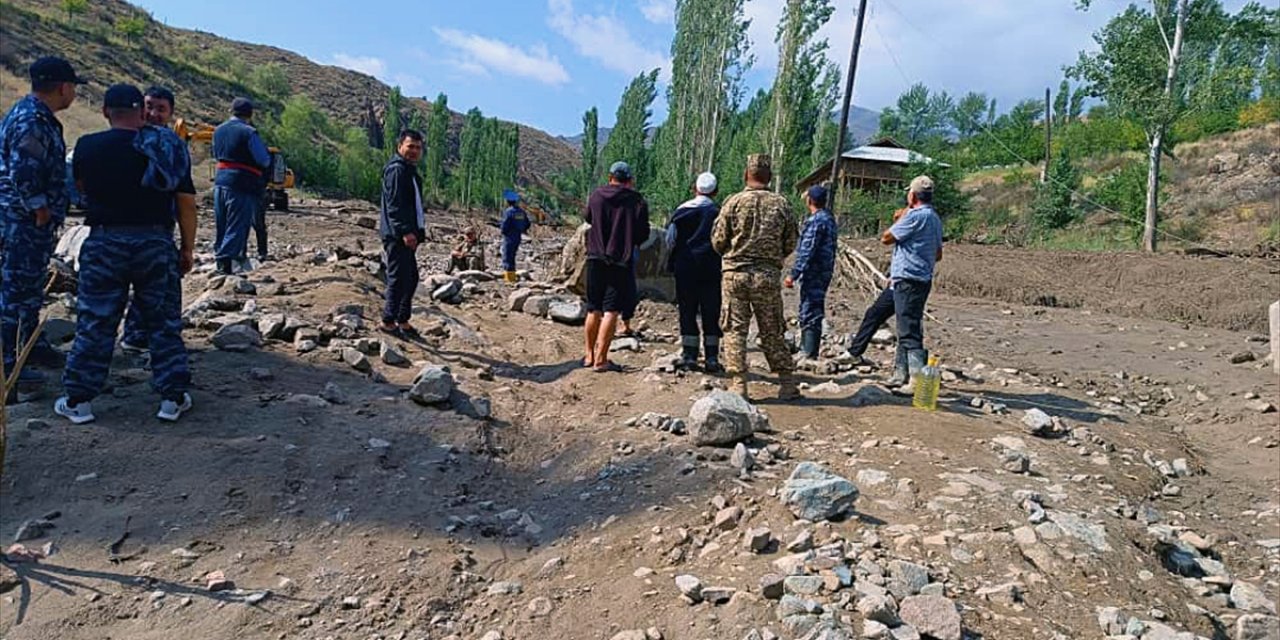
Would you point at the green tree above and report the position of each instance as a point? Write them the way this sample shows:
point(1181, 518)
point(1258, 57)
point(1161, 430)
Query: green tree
point(590, 150)
point(1054, 206)
point(272, 80)
point(799, 99)
point(470, 154)
point(971, 114)
point(744, 139)
point(949, 200)
point(392, 120)
point(132, 28)
point(824, 137)
point(437, 135)
point(74, 8)
point(631, 126)
point(918, 117)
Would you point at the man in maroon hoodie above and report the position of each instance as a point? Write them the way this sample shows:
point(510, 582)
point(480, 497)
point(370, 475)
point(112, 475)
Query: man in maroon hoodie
point(619, 219)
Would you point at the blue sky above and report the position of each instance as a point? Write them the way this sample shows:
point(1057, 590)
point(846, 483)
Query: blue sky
point(543, 62)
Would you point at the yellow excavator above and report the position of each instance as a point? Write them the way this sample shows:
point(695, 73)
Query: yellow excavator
point(279, 176)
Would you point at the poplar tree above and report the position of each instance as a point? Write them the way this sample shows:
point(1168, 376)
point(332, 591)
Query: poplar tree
point(391, 121)
point(799, 102)
point(631, 127)
point(470, 155)
point(590, 149)
point(437, 136)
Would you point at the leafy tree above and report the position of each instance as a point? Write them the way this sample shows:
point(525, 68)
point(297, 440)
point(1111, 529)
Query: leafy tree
point(470, 153)
point(272, 80)
point(918, 117)
point(631, 126)
point(971, 114)
point(1053, 207)
point(799, 101)
point(744, 139)
point(590, 150)
point(132, 28)
point(951, 203)
point(74, 8)
point(437, 145)
point(824, 138)
point(391, 121)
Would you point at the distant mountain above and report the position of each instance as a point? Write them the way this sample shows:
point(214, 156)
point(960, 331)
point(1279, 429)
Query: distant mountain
point(863, 124)
point(576, 141)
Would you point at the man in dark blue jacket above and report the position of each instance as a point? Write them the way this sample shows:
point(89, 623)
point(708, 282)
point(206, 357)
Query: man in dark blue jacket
point(515, 222)
point(815, 263)
point(403, 228)
point(239, 186)
point(697, 270)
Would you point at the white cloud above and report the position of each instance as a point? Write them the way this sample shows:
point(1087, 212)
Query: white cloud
point(479, 54)
point(605, 39)
point(659, 11)
point(371, 65)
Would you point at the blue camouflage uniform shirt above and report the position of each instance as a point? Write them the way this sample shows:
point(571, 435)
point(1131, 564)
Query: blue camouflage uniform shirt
point(816, 255)
point(33, 169)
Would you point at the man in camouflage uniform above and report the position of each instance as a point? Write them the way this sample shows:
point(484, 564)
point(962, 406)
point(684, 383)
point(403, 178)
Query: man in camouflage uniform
point(754, 233)
point(814, 265)
point(33, 204)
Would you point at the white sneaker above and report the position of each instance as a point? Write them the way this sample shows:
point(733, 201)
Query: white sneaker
point(79, 414)
point(132, 348)
point(170, 411)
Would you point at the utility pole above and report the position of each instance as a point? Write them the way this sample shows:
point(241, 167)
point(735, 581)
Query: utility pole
point(1048, 136)
point(848, 97)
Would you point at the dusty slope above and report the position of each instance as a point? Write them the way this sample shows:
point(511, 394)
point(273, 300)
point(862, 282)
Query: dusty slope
point(406, 509)
point(30, 28)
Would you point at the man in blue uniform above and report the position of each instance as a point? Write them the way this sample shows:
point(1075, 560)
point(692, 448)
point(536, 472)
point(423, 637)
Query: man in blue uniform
point(515, 223)
point(135, 177)
point(814, 265)
point(158, 102)
point(239, 186)
point(697, 270)
point(403, 228)
point(916, 239)
point(33, 205)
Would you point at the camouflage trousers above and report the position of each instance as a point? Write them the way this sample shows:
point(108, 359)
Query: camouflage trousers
point(112, 261)
point(23, 273)
point(747, 295)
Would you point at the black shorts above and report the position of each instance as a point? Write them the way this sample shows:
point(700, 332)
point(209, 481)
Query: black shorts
point(610, 288)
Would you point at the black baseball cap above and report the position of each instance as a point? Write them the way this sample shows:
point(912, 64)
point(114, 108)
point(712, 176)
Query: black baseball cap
point(122, 96)
point(54, 69)
point(241, 106)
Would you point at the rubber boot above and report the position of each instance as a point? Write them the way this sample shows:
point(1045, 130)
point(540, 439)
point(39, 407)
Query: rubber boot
point(223, 267)
point(788, 389)
point(901, 371)
point(689, 353)
point(509, 277)
point(711, 346)
point(916, 360)
point(810, 341)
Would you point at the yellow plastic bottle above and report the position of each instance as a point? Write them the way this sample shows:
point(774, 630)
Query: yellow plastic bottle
point(927, 385)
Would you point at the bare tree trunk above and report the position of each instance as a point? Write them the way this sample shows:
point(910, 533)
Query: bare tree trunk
point(1157, 140)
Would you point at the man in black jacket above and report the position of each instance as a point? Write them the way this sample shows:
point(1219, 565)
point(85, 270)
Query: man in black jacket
point(403, 228)
point(619, 219)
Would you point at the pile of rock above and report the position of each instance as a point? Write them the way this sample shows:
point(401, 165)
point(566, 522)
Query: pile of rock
point(561, 308)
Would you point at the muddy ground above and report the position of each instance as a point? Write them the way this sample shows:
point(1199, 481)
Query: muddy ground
point(369, 516)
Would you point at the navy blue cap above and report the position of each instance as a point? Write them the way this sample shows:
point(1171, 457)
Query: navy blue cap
point(818, 194)
point(242, 107)
point(620, 170)
point(54, 69)
point(122, 96)
point(510, 195)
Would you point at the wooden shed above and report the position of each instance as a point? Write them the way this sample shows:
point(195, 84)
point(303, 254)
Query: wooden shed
point(871, 167)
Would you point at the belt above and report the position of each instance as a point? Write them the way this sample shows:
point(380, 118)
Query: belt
point(226, 165)
point(130, 229)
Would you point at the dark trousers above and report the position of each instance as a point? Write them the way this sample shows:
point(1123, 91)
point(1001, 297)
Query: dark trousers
point(234, 213)
point(111, 262)
point(402, 280)
point(909, 297)
point(260, 229)
point(698, 298)
point(510, 245)
point(876, 315)
point(813, 303)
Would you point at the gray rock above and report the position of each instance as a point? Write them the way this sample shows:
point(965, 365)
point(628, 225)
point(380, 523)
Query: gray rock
point(1242, 357)
point(690, 587)
point(1257, 627)
point(305, 346)
point(271, 325)
point(758, 539)
point(1037, 422)
point(632, 634)
point(909, 577)
point(505, 589)
point(933, 616)
point(771, 586)
point(433, 385)
point(727, 519)
point(537, 305)
point(391, 355)
point(873, 630)
point(32, 529)
point(904, 632)
point(868, 478)
point(515, 301)
point(357, 360)
point(1015, 461)
point(802, 585)
point(1094, 535)
point(1112, 620)
point(718, 595)
point(1251, 599)
point(791, 605)
point(1157, 631)
point(568, 311)
point(881, 609)
point(802, 543)
point(742, 458)
point(723, 418)
point(236, 337)
point(447, 290)
point(624, 344)
point(813, 493)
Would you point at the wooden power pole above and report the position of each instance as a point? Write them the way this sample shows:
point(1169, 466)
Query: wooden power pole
point(1048, 136)
point(848, 97)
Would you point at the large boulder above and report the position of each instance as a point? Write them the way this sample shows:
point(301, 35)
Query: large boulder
point(652, 279)
point(516, 300)
point(722, 418)
point(434, 385)
point(568, 311)
point(538, 305)
point(933, 616)
point(236, 337)
point(813, 493)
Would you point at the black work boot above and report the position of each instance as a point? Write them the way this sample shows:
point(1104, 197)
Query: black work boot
point(711, 346)
point(810, 341)
point(688, 352)
point(223, 267)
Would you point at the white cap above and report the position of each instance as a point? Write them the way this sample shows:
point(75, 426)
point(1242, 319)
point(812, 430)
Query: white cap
point(706, 183)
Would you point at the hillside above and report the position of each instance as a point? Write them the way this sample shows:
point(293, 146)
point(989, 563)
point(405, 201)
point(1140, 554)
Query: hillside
point(177, 58)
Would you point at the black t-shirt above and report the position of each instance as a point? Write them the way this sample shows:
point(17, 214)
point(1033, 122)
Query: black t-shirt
point(111, 171)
